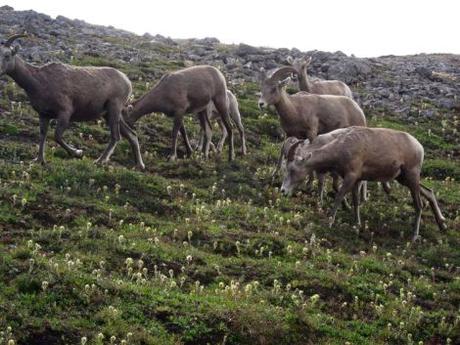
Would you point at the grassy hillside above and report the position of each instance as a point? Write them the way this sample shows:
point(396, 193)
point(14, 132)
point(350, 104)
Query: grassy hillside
point(208, 252)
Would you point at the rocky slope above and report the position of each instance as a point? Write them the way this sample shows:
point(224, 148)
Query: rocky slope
point(409, 86)
point(200, 251)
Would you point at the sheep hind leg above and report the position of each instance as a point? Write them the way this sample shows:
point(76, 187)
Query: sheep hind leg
point(240, 128)
point(321, 178)
point(178, 123)
point(131, 136)
point(62, 125)
point(356, 201)
point(113, 120)
point(206, 133)
point(222, 107)
point(44, 125)
point(429, 195)
point(220, 145)
point(415, 192)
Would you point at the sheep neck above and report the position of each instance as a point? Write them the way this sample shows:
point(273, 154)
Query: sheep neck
point(149, 103)
point(324, 157)
point(286, 110)
point(23, 75)
point(304, 81)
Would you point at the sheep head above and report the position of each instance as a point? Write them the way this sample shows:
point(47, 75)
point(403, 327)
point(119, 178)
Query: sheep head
point(297, 167)
point(271, 86)
point(299, 63)
point(7, 53)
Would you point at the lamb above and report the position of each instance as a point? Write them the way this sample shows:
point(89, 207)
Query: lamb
point(235, 116)
point(189, 90)
point(69, 93)
point(319, 87)
point(372, 154)
point(301, 146)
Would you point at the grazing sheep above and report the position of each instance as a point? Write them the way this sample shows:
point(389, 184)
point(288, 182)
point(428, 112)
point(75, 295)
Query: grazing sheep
point(235, 116)
point(189, 90)
point(304, 115)
point(371, 154)
point(285, 147)
point(298, 149)
point(319, 87)
point(68, 93)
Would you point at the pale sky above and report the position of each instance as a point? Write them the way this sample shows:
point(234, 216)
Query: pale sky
point(364, 28)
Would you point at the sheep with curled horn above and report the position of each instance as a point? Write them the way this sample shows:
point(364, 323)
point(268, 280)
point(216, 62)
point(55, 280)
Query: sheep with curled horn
point(370, 154)
point(319, 87)
point(304, 115)
point(189, 90)
point(72, 94)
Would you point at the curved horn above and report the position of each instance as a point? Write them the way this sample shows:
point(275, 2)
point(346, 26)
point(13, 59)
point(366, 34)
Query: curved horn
point(283, 72)
point(14, 37)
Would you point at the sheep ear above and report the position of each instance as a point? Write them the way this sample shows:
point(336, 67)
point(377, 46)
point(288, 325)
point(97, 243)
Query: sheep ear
point(284, 82)
point(262, 74)
point(290, 60)
point(15, 50)
point(299, 159)
point(307, 61)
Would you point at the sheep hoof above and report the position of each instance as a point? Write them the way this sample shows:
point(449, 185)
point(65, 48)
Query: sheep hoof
point(39, 160)
point(100, 161)
point(78, 153)
point(141, 166)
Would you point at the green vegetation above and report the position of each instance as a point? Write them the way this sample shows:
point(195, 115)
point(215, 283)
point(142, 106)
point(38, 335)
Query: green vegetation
point(208, 252)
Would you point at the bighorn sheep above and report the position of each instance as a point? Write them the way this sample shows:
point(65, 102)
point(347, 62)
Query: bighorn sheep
point(189, 90)
point(68, 93)
point(304, 115)
point(372, 154)
point(235, 116)
point(319, 87)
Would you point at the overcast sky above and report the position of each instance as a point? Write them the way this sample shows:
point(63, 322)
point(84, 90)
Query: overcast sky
point(364, 28)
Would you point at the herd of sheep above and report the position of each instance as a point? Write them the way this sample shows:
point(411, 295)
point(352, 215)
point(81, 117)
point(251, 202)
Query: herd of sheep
point(325, 128)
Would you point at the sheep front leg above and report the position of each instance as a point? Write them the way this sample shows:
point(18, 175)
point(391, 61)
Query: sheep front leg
point(321, 178)
point(184, 135)
point(44, 125)
point(348, 183)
